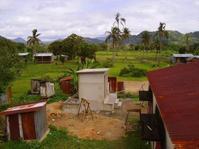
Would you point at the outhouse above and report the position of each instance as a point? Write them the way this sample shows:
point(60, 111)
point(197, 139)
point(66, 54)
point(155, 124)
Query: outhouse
point(93, 86)
point(26, 122)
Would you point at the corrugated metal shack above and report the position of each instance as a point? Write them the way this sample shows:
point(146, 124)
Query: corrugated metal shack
point(27, 122)
point(43, 58)
point(66, 85)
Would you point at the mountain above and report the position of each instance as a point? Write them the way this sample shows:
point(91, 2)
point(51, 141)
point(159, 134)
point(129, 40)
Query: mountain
point(19, 40)
point(93, 40)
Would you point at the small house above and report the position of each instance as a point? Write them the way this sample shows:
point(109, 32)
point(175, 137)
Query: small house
point(26, 122)
point(43, 58)
point(172, 122)
point(93, 85)
point(181, 58)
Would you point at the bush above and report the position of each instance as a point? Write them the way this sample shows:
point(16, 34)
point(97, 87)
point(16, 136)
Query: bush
point(108, 63)
point(131, 71)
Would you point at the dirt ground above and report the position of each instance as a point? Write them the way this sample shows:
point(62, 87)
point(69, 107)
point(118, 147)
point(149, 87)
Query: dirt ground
point(135, 86)
point(102, 127)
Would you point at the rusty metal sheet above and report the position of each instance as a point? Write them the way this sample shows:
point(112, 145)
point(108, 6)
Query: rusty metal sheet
point(176, 90)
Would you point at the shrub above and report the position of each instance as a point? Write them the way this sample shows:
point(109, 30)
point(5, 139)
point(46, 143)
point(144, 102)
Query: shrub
point(108, 63)
point(131, 71)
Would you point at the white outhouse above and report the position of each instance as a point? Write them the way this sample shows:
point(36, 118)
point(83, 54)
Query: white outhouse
point(93, 86)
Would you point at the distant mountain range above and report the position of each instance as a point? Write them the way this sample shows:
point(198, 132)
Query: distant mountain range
point(175, 37)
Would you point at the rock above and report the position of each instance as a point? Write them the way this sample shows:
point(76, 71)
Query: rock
point(98, 132)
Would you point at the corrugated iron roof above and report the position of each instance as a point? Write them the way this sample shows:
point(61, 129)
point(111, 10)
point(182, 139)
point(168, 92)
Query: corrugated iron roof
point(183, 55)
point(23, 108)
point(177, 93)
point(43, 54)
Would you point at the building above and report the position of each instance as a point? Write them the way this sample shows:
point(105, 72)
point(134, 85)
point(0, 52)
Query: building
point(27, 122)
point(181, 58)
point(173, 122)
point(43, 58)
point(24, 56)
point(93, 85)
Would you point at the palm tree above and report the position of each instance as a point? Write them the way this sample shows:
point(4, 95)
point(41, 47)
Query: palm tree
point(113, 36)
point(33, 40)
point(145, 39)
point(119, 20)
point(161, 35)
point(187, 41)
point(125, 36)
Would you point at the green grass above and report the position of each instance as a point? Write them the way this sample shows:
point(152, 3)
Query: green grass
point(140, 59)
point(59, 139)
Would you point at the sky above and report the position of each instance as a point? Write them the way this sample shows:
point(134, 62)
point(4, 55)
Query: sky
point(56, 19)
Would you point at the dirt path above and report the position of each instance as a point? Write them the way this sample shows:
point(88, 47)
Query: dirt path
point(135, 86)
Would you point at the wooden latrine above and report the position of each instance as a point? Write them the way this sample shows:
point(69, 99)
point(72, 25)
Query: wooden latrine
point(26, 122)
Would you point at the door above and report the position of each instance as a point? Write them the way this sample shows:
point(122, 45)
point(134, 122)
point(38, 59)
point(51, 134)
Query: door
point(28, 126)
point(14, 127)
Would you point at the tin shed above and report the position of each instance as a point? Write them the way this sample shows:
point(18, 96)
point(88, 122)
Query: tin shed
point(43, 58)
point(27, 122)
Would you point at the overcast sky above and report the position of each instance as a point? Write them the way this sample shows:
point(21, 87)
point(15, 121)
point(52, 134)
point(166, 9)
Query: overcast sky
point(56, 19)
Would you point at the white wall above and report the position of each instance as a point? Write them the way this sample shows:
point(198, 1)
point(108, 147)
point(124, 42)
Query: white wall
point(92, 86)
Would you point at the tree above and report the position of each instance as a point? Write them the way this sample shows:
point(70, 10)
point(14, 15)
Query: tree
point(33, 40)
point(9, 65)
point(113, 36)
point(86, 51)
point(71, 45)
point(119, 20)
point(146, 39)
point(187, 41)
point(161, 36)
point(56, 48)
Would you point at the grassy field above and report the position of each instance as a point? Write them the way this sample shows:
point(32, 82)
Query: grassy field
point(59, 139)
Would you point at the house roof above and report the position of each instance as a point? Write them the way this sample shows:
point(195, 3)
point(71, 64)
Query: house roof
point(43, 54)
point(177, 94)
point(23, 108)
point(97, 70)
point(23, 54)
point(183, 55)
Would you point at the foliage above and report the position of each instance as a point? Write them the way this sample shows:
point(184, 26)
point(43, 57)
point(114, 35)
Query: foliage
point(146, 39)
point(108, 63)
point(56, 47)
point(33, 41)
point(132, 71)
point(9, 65)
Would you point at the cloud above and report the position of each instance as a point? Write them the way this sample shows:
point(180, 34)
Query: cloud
point(56, 19)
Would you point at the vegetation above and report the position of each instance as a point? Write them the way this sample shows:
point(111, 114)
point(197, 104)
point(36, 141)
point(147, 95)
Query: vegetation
point(33, 41)
point(59, 139)
point(131, 71)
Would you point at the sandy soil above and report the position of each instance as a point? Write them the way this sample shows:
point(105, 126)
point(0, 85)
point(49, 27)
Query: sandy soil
point(135, 86)
point(100, 128)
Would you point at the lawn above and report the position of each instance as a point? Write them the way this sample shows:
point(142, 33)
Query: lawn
point(58, 138)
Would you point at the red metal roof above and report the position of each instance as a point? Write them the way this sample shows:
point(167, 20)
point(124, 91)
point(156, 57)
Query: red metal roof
point(23, 108)
point(177, 94)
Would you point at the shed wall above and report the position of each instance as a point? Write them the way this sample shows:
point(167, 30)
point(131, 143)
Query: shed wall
point(40, 118)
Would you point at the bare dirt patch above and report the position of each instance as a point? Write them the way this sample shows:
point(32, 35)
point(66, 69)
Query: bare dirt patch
point(100, 128)
point(135, 86)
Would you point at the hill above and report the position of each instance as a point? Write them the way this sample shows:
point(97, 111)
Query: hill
point(19, 40)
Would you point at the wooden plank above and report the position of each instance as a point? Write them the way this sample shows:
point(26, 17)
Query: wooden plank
point(28, 125)
point(14, 127)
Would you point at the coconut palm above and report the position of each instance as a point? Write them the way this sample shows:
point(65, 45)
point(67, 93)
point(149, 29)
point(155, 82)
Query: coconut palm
point(33, 40)
point(161, 35)
point(125, 36)
point(145, 39)
point(113, 36)
point(119, 20)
